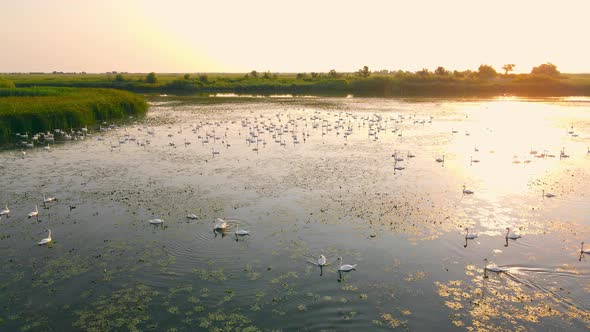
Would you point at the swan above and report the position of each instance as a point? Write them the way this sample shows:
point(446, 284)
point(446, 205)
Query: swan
point(241, 232)
point(493, 268)
point(469, 236)
point(45, 240)
point(440, 160)
point(411, 155)
point(346, 267)
point(48, 199)
point(511, 236)
point(322, 260)
point(582, 251)
point(474, 160)
point(156, 221)
point(6, 211)
point(548, 195)
point(192, 216)
point(34, 213)
point(467, 191)
point(220, 224)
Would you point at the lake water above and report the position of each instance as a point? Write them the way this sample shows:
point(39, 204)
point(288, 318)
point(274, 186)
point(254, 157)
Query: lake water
point(305, 176)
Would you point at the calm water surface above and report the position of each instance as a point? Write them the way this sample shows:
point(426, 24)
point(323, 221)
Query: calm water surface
point(306, 176)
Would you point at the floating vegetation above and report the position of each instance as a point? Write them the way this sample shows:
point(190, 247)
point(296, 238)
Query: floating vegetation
point(124, 309)
point(210, 275)
point(59, 269)
point(505, 304)
point(419, 275)
point(391, 322)
point(226, 322)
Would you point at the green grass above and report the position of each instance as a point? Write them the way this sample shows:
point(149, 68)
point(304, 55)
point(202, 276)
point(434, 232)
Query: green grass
point(45, 108)
point(400, 84)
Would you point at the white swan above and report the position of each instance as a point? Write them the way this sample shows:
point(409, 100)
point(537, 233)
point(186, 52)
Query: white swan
point(440, 160)
point(34, 213)
point(241, 232)
point(192, 216)
point(511, 236)
point(6, 211)
point(548, 195)
point(322, 260)
point(156, 221)
point(474, 160)
point(467, 191)
point(469, 236)
point(45, 240)
point(48, 199)
point(346, 267)
point(582, 251)
point(493, 268)
point(220, 224)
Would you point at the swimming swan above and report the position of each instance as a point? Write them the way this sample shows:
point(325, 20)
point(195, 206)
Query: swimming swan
point(45, 240)
point(346, 267)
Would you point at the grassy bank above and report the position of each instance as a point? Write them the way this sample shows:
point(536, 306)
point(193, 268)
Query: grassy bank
point(397, 84)
point(45, 108)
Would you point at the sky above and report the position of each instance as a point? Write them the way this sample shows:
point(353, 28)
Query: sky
point(291, 36)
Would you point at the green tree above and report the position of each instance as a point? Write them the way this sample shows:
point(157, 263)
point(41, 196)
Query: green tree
point(301, 76)
point(548, 69)
point(204, 78)
point(423, 73)
point(486, 72)
point(441, 71)
point(120, 78)
point(333, 73)
point(151, 78)
point(314, 75)
point(187, 76)
point(254, 74)
point(508, 68)
point(364, 72)
point(267, 75)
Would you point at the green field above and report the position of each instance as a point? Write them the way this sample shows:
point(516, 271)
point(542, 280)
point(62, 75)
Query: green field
point(44, 108)
point(424, 83)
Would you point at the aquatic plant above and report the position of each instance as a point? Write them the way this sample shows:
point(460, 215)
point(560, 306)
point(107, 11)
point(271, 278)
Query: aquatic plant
point(124, 309)
point(42, 109)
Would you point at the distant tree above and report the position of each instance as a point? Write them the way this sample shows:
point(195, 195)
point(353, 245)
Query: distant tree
point(301, 76)
point(187, 76)
point(458, 74)
point(548, 69)
point(423, 73)
point(441, 71)
point(7, 84)
point(254, 74)
point(508, 68)
point(151, 78)
point(333, 74)
point(364, 72)
point(204, 78)
point(267, 75)
point(486, 72)
point(120, 78)
point(314, 75)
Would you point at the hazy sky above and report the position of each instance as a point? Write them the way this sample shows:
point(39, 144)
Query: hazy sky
point(294, 36)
